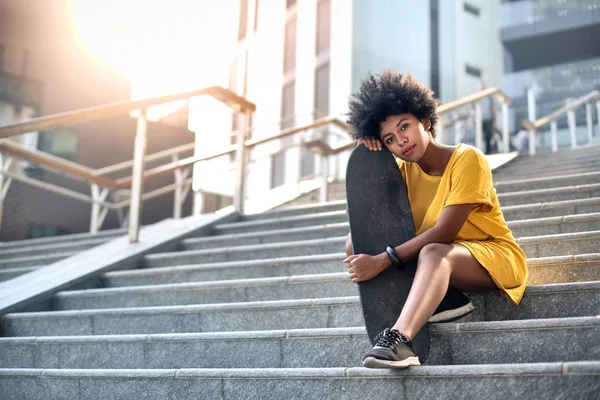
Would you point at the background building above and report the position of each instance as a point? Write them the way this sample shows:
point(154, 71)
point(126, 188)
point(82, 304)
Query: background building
point(551, 46)
point(44, 70)
point(300, 59)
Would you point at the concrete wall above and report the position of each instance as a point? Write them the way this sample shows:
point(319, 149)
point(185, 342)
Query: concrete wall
point(390, 34)
point(477, 43)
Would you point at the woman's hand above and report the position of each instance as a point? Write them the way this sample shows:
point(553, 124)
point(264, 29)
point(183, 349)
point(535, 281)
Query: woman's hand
point(363, 267)
point(372, 144)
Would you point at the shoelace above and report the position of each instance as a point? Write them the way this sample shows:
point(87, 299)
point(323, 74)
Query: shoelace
point(389, 338)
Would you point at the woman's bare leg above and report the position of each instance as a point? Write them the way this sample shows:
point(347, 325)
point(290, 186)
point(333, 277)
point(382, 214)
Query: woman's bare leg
point(439, 266)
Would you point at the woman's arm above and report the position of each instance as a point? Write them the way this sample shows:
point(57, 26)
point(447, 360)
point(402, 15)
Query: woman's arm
point(363, 267)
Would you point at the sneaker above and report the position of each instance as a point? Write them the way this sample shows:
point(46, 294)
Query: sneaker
point(392, 350)
point(455, 305)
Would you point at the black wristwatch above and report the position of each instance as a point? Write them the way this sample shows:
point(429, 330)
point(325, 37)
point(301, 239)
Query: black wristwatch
point(396, 261)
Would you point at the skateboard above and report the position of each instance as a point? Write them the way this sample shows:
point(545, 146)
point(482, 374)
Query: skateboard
point(380, 216)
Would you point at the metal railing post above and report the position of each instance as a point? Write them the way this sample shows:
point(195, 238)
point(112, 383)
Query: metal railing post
point(590, 122)
point(598, 115)
point(458, 131)
point(95, 209)
point(478, 127)
point(4, 184)
point(324, 189)
point(240, 163)
point(572, 127)
point(181, 189)
point(137, 182)
point(531, 114)
point(554, 134)
point(505, 132)
point(440, 131)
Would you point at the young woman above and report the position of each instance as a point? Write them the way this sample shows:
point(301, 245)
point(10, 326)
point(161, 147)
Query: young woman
point(462, 242)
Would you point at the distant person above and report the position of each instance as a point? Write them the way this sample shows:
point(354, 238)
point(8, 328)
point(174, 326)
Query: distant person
point(488, 119)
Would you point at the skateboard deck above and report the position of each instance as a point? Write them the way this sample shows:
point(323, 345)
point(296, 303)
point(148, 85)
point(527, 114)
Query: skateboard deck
point(380, 216)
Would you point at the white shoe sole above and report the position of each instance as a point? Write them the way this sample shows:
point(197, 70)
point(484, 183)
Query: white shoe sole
point(451, 315)
point(372, 362)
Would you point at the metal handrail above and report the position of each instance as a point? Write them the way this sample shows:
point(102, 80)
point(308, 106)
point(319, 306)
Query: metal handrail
point(225, 96)
point(567, 110)
point(55, 164)
point(150, 157)
point(473, 98)
point(561, 112)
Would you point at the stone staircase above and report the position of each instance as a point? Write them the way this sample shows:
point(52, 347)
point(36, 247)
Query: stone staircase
point(263, 309)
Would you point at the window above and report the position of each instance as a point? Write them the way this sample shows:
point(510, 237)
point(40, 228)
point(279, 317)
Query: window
point(471, 9)
point(278, 169)
point(322, 90)
point(323, 25)
point(290, 3)
point(288, 105)
point(243, 23)
point(473, 71)
point(289, 51)
point(59, 142)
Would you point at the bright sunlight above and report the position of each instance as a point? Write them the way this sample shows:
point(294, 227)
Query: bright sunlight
point(162, 46)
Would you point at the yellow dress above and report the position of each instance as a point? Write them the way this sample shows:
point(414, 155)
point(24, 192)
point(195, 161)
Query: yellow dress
point(468, 179)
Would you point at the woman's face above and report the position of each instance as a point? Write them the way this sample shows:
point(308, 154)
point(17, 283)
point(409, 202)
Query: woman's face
point(405, 136)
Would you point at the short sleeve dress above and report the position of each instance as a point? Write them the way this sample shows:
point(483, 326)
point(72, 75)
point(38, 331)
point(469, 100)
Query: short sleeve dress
point(468, 179)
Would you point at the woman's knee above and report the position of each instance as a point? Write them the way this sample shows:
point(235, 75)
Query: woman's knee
point(349, 248)
point(434, 255)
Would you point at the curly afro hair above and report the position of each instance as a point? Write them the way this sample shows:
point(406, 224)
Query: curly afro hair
point(389, 94)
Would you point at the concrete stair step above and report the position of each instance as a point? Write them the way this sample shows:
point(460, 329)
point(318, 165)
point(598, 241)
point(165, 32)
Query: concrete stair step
point(543, 172)
point(331, 217)
point(575, 380)
point(543, 301)
point(28, 261)
point(9, 273)
point(565, 154)
point(50, 249)
point(263, 237)
point(549, 158)
point(543, 270)
point(280, 266)
point(551, 194)
point(524, 341)
point(524, 163)
point(107, 234)
point(563, 269)
point(226, 291)
point(560, 244)
point(551, 209)
point(248, 252)
point(515, 185)
point(339, 205)
point(555, 225)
